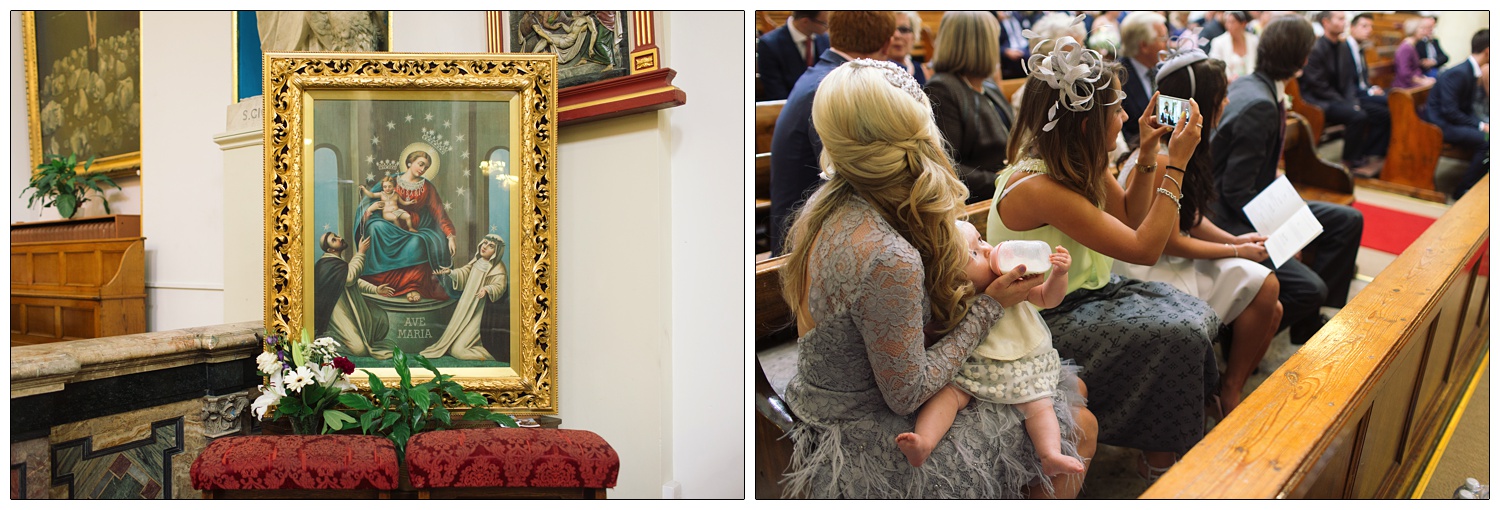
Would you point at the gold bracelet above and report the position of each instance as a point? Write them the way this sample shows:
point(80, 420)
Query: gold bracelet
point(1145, 169)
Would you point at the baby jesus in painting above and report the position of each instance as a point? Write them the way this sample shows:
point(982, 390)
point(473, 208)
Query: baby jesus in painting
point(1014, 364)
point(389, 204)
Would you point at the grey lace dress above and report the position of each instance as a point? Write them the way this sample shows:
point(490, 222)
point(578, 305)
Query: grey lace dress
point(863, 372)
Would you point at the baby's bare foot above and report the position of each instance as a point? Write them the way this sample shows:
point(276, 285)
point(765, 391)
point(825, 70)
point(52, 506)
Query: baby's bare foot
point(915, 447)
point(413, 297)
point(1059, 464)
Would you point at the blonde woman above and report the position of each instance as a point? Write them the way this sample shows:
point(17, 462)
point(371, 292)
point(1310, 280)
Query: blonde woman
point(908, 34)
point(876, 267)
point(970, 111)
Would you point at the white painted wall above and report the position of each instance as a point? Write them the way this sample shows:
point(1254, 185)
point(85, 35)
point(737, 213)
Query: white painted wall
point(186, 82)
point(438, 32)
point(1455, 30)
point(708, 250)
point(183, 93)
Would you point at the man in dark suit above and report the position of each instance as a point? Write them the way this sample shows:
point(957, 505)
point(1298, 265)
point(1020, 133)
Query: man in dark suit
point(1213, 26)
point(1013, 47)
point(1433, 57)
point(1246, 148)
point(1450, 105)
point(795, 145)
point(783, 54)
point(1142, 35)
point(1336, 79)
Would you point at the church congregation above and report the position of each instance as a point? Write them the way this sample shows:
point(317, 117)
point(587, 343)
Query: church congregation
point(1141, 147)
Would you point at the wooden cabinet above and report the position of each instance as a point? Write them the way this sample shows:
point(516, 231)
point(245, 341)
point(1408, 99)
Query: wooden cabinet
point(74, 279)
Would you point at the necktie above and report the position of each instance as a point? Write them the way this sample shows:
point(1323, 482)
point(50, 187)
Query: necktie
point(1150, 80)
point(808, 43)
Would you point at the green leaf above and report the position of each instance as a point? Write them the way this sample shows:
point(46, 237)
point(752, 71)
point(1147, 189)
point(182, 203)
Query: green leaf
point(477, 413)
point(420, 397)
point(402, 370)
point(427, 364)
point(336, 420)
point(356, 401)
point(441, 413)
point(476, 399)
point(503, 420)
point(400, 434)
point(66, 205)
point(376, 387)
point(388, 420)
point(365, 420)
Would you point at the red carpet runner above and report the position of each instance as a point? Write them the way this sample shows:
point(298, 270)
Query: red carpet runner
point(1389, 230)
point(1392, 231)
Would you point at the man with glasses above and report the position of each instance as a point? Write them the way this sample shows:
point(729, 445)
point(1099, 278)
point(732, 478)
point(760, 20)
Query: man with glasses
point(782, 55)
point(1142, 35)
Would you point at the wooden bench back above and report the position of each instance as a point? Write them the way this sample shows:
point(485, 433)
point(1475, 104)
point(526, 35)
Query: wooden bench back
point(1415, 143)
point(1314, 178)
point(1360, 409)
point(1309, 111)
point(1009, 87)
point(765, 122)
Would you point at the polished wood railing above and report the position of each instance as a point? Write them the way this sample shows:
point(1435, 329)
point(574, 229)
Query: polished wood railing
point(1358, 411)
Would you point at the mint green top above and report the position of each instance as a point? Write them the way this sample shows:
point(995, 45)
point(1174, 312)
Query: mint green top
point(1090, 269)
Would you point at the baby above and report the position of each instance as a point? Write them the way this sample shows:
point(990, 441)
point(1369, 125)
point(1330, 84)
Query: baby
point(389, 204)
point(1014, 364)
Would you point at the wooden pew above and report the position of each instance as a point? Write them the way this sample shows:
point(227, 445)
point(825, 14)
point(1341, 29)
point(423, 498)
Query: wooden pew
point(1008, 87)
point(1314, 178)
point(76, 279)
point(1415, 148)
point(765, 122)
point(1359, 411)
point(766, 113)
point(774, 331)
point(1314, 115)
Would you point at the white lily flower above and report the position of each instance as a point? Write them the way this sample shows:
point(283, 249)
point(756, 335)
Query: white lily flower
point(268, 363)
point(269, 394)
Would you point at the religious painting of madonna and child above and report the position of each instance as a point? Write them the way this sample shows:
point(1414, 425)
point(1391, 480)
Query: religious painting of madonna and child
point(425, 219)
point(412, 218)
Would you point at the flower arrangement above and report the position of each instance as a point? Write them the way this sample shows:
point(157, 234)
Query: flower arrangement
point(304, 379)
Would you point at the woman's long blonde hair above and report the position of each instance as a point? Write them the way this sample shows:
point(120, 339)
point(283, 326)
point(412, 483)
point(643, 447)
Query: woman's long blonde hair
point(880, 144)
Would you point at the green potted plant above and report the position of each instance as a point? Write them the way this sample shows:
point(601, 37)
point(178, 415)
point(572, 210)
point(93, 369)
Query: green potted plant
point(400, 412)
point(59, 185)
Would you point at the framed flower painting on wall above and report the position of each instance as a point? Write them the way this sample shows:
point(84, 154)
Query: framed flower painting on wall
point(83, 86)
point(410, 206)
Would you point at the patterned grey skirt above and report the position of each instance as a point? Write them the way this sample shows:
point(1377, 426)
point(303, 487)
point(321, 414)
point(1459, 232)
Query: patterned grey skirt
point(1145, 351)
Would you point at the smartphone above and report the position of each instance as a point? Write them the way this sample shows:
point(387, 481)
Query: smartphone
point(1170, 110)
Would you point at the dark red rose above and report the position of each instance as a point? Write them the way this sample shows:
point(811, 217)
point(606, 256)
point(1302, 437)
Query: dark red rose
point(344, 365)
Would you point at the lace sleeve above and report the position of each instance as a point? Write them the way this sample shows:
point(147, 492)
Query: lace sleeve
point(889, 315)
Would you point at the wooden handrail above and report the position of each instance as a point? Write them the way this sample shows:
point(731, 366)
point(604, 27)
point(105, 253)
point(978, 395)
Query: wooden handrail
point(1354, 412)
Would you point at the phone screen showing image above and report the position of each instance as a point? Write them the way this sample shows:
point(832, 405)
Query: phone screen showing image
point(1170, 110)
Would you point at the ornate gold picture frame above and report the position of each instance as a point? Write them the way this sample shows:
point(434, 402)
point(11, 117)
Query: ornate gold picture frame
point(410, 203)
point(83, 86)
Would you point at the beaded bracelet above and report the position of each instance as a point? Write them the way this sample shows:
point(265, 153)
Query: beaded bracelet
point(1175, 200)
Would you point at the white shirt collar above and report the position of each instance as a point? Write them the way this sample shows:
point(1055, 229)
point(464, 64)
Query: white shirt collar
point(1475, 64)
point(1140, 70)
point(798, 38)
point(1281, 96)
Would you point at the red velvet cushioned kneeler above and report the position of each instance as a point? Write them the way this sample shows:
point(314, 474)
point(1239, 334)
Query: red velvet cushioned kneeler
point(334, 462)
point(511, 457)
